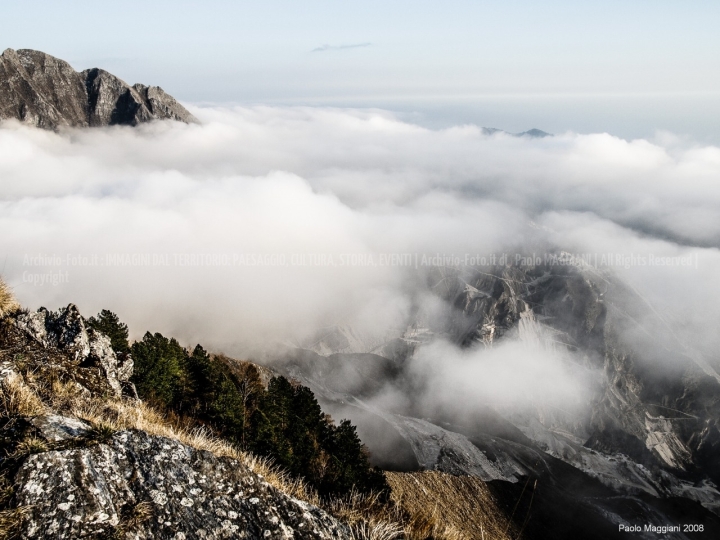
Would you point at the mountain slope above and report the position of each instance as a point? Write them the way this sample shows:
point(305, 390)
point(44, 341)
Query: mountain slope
point(81, 456)
point(639, 444)
point(86, 459)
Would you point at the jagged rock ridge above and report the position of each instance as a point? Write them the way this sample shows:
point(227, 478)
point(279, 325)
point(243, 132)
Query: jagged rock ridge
point(44, 91)
point(84, 352)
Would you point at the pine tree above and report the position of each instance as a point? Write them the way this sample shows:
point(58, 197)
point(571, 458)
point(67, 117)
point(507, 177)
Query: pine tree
point(109, 324)
point(290, 427)
point(160, 373)
point(350, 464)
point(284, 422)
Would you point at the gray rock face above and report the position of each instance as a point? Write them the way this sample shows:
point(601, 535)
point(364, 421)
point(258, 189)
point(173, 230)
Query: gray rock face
point(186, 494)
point(652, 411)
point(73, 479)
point(56, 428)
point(41, 90)
point(86, 347)
point(46, 92)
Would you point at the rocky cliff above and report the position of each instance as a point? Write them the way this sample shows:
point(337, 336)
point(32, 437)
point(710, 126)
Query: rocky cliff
point(46, 92)
point(83, 458)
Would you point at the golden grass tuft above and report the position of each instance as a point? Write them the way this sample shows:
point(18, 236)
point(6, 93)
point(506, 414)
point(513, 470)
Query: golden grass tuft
point(11, 521)
point(424, 505)
point(449, 507)
point(8, 304)
point(132, 519)
point(370, 518)
point(21, 396)
point(30, 445)
point(102, 432)
point(364, 530)
point(115, 415)
point(18, 399)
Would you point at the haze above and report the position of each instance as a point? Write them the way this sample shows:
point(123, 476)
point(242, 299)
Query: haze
point(626, 68)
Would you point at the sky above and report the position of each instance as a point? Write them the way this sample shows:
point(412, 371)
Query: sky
point(629, 68)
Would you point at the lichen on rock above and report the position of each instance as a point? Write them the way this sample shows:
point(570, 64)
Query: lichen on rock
point(90, 492)
point(79, 472)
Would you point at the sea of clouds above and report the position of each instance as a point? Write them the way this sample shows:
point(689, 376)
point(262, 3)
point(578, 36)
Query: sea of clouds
point(262, 224)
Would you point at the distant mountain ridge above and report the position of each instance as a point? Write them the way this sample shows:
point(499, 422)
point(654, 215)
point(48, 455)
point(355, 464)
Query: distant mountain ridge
point(533, 133)
point(44, 91)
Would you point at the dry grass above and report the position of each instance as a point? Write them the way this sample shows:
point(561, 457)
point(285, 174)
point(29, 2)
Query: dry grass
point(18, 399)
point(131, 519)
point(450, 507)
point(411, 515)
point(368, 517)
point(110, 415)
point(21, 395)
point(30, 445)
point(11, 521)
point(364, 530)
point(8, 304)
point(141, 512)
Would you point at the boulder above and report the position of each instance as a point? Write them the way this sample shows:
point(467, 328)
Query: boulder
point(143, 486)
point(56, 428)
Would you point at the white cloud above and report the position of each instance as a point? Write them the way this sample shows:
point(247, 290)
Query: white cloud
point(287, 181)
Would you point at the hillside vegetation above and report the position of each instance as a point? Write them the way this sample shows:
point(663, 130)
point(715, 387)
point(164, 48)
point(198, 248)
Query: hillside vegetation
point(56, 375)
point(283, 422)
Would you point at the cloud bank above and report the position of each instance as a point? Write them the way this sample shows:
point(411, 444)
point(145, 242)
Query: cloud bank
point(263, 224)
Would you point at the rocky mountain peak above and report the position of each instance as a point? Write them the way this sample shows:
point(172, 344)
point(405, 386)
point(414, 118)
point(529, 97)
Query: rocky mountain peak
point(46, 92)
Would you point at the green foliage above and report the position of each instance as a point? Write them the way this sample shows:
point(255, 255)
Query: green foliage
point(109, 324)
point(160, 372)
point(350, 467)
point(284, 421)
point(290, 427)
point(101, 432)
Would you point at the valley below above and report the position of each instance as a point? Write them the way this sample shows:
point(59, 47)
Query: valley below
point(634, 445)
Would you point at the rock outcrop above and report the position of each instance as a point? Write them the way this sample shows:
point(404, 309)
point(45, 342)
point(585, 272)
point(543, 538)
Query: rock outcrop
point(84, 352)
point(140, 486)
point(46, 92)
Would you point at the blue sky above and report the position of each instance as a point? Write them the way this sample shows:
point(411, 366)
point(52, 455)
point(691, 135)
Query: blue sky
point(630, 67)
